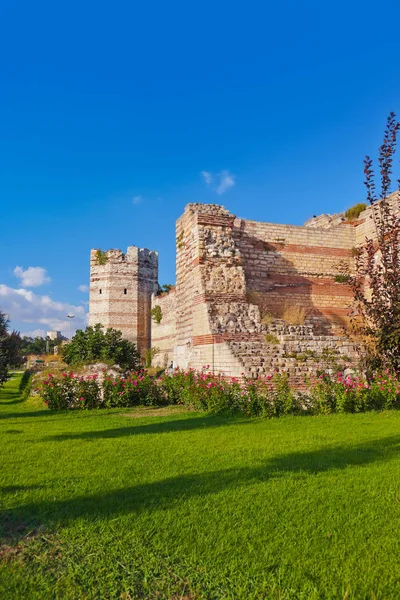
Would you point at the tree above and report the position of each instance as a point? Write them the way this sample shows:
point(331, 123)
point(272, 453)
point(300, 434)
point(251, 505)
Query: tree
point(95, 344)
point(10, 348)
point(38, 345)
point(13, 345)
point(165, 289)
point(3, 348)
point(376, 283)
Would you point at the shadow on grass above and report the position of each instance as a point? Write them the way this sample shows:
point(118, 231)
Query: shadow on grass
point(12, 489)
point(160, 495)
point(11, 402)
point(205, 422)
point(10, 396)
point(27, 414)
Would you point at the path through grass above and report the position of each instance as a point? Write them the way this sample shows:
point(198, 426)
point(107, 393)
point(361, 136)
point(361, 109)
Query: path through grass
point(101, 505)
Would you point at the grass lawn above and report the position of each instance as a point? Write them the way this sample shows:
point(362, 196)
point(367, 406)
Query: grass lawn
point(101, 504)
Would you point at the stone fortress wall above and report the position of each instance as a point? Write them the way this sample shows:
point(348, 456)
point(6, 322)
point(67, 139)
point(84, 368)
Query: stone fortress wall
point(163, 334)
point(231, 274)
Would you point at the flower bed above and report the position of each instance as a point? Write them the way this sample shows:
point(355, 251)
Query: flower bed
point(202, 390)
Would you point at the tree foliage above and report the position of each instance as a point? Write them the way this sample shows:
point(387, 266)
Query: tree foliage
point(95, 344)
point(10, 348)
point(38, 345)
point(3, 350)
point(376, 283)
point(165, 289)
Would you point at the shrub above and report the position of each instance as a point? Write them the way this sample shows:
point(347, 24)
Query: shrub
point(71, 391)
point(95, 344)
point(294, 314)
point(350, 393)
point(267, 319)
point(203, 390)
point(384, 392)
point(134, 388)
point(342, 278)
point(206, 391)
point(150, 354)
point(101, 257)
point(197, 389)
point(270, 338)
point(156, 314)
point(25, 384)
point(355, 211)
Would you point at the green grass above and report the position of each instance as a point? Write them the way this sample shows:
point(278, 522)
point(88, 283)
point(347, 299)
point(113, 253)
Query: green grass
point(101, 505)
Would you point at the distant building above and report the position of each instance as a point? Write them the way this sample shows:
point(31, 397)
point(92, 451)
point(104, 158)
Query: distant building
point(54, 335)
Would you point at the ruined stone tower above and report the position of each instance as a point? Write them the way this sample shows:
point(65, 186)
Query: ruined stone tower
point(121, 286)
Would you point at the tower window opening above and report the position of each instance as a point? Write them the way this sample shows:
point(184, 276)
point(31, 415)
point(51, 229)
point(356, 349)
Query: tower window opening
point(125, 291)
point(100, 291)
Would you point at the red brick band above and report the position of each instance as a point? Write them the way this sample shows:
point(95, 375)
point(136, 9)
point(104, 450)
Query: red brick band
point(218, 221)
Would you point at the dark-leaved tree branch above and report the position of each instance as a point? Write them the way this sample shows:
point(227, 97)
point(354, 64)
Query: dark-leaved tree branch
point(376, 282)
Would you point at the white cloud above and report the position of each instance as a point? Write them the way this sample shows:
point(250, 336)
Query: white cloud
point(27, 307)
point(35, 333)
point(226, 181)
point(220, 182)
point(83, 288)
point(137, 199)
point(32, 276)
point(207, 176)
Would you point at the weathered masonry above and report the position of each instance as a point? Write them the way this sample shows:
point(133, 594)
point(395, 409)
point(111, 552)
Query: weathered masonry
point(235, 279)
point(121, 288)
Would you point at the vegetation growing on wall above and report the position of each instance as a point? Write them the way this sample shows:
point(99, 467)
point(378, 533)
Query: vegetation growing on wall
point(179, 240)
point(341, 278)
point(156, 314)
point(150, 354)
point(294, 314)
point(354, 212)
point(101, 257)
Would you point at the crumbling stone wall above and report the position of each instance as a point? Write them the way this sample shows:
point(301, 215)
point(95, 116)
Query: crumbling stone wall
point(163, 335)
point(294, 264)
point(121, 291)
point(221, 259)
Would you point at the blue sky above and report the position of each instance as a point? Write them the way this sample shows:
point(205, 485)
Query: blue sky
point(110, 112)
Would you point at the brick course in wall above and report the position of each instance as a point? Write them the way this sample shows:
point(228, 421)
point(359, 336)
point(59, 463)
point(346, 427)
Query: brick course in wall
point(121, 291)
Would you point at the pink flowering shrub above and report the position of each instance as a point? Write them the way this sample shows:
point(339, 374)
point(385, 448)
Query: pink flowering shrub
point(132, 389)
point(269, 397)
point(350, 393)
point(203, 390)
point(198, 389)
point(206, 391)
point(71, 391)
point(384, 392)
